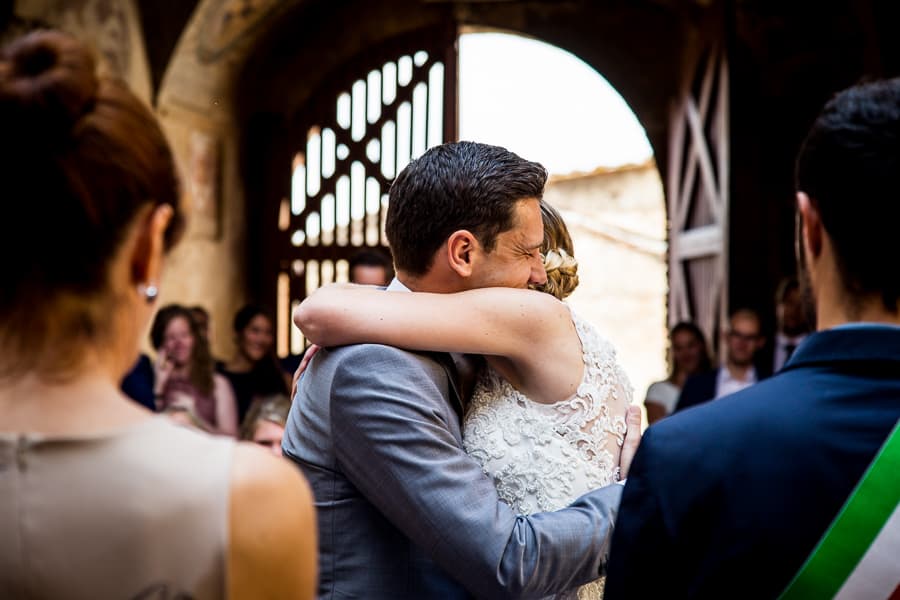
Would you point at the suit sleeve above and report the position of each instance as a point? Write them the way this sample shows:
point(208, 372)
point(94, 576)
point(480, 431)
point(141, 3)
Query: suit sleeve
point(642, 559)
point(393, 442)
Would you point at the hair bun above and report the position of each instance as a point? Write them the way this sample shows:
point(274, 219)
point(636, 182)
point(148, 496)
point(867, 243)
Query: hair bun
point(562, 273)
point(48, 82)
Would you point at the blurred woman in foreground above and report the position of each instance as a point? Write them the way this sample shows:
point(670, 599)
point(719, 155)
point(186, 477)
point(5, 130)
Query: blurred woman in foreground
point(99, 498)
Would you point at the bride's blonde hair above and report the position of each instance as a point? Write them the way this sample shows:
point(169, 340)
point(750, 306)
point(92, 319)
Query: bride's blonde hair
point(558, 253)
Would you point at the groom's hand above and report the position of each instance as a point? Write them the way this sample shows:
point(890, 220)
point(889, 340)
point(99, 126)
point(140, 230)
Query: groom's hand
point(632, 438)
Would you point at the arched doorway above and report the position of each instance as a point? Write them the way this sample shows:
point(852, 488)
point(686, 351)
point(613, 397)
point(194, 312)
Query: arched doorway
point(369, 117)
point(548, 105)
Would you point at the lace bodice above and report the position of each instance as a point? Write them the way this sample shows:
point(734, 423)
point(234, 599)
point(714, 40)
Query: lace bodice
point(544, 456)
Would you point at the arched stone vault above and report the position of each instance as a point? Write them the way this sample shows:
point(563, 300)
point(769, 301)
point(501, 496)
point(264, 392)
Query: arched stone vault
point(242, 71)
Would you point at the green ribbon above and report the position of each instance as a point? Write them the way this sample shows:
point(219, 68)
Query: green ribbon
point(873, 501)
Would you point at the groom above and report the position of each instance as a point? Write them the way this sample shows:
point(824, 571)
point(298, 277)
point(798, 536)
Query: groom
point(403, 511)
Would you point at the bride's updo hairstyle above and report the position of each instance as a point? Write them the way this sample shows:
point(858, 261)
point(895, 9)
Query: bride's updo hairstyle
point(558, 253)
point(80, 159)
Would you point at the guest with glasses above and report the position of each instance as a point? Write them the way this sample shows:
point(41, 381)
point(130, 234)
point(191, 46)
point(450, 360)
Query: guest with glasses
point(742, 341)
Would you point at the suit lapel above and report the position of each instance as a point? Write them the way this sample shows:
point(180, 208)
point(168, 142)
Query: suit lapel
point(446, 362)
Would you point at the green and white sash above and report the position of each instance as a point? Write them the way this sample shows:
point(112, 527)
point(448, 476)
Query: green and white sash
point(859, 557)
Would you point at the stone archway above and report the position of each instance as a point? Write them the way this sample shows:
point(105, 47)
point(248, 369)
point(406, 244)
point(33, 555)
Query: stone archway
point(242, 71)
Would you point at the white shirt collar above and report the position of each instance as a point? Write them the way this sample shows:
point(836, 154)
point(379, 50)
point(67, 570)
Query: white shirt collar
point(397, 286)
point(726, 384)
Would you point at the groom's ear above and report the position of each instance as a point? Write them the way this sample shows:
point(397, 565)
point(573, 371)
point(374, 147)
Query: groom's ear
point(461, 246)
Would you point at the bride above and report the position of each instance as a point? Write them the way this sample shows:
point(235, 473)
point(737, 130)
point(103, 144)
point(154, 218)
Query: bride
point(546, 419)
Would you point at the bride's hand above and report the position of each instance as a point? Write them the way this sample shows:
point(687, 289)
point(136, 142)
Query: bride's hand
point(307, 356)
point(632, 438)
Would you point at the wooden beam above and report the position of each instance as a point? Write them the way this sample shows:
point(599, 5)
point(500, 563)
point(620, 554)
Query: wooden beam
point(698, 242)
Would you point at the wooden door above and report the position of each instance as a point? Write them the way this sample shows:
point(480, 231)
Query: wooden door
point(698, 196)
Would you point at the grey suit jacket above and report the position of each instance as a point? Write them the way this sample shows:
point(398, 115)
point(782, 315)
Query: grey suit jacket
point(403, 511)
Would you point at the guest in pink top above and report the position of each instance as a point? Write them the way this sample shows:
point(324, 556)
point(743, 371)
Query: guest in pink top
point(184, 376)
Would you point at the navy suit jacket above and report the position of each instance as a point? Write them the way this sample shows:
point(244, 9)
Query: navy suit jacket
point(728, 499)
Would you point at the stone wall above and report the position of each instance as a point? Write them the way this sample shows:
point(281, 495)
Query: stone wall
point(614, 216)
point(195, 106)
point(113, 28)
point(617, 220)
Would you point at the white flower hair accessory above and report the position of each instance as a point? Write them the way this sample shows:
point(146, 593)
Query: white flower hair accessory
point(557, 258)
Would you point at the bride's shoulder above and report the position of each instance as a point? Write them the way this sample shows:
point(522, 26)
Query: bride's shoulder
point(590, 335)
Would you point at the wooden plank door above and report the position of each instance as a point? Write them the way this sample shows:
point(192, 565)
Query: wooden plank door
point(698, 196)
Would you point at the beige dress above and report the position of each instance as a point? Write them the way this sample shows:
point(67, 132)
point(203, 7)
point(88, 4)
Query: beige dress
point(139, 513)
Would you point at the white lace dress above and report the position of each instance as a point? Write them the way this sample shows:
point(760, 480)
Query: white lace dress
point(544, 456)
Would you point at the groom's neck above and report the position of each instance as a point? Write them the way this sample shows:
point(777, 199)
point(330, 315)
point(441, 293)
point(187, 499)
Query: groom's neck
point(433, 281)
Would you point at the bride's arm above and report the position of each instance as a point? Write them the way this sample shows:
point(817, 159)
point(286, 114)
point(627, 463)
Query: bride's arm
point(494, 321)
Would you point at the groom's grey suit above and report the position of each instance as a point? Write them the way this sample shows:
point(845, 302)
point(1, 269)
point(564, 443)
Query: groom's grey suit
point(403, 511)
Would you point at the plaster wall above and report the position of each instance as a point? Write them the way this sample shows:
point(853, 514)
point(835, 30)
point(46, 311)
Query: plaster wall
point(112, 28)
point(617, 220)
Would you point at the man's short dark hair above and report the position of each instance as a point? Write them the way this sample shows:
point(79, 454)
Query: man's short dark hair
point(461, 185)
point(849, 166)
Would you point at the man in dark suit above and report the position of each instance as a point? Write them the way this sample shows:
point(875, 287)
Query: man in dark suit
point(730, 498)
point(742, 341)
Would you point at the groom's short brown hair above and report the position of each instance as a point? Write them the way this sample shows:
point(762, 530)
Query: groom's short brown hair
point(460, 185)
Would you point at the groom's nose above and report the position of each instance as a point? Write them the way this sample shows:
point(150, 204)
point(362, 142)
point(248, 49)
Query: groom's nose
point(538, 274)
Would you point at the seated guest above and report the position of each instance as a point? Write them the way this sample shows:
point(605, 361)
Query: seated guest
point(688, 356)
point(254, 370)
point(201, 318)
point(370, 267)
point(743, 341)
point(366, 267)
point(184, 375)
point(265, 422)
point(98, 497)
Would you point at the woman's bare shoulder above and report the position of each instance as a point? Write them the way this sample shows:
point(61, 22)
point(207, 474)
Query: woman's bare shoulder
point(272, 528)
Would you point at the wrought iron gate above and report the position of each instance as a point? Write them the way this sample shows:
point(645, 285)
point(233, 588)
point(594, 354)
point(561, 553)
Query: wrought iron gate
point(362, 128)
